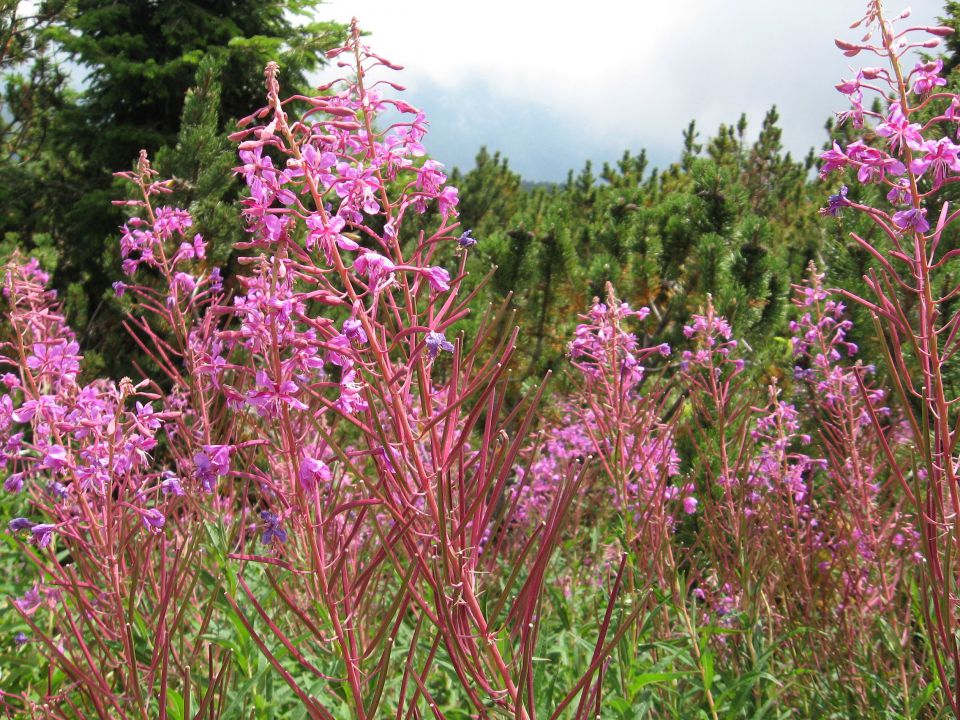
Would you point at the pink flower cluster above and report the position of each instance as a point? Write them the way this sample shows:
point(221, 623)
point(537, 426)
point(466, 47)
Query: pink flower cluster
point(71, 445)
point(819, 339)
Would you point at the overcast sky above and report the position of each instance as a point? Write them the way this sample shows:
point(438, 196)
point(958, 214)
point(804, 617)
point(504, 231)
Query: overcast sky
point(553, 83)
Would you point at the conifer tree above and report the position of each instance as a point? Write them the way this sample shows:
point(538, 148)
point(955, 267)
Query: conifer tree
point(730, 219)
point(136, 61)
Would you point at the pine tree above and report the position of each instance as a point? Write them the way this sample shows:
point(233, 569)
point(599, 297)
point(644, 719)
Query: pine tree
point(137, 60)
point(33, 82)
point(730, 219)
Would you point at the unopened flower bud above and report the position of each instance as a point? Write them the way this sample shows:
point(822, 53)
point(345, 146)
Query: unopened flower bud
point(849, 49)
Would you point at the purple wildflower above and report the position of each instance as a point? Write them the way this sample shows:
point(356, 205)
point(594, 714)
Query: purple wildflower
point(436, 342)
point(374, 265)
point(31, 601)
point(13, 483)
point(466, 240)
point(42, 534)
point(153, 520)
point(19, 524)
point(913, 219)
point(272, 532)
point(900, 192)
point(836, 203)
point(170, 485)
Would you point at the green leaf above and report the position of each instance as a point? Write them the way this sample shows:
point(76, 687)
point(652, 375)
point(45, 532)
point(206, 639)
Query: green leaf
point(707, 661)
point(174, 705)
point(651, 678)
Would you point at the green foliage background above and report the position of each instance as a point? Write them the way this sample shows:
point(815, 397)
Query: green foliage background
point(732, 219)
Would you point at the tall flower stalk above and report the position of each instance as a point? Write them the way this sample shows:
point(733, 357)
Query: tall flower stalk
point(327, 432)
point(913, 158)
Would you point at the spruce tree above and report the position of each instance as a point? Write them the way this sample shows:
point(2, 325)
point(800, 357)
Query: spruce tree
point(135, 61)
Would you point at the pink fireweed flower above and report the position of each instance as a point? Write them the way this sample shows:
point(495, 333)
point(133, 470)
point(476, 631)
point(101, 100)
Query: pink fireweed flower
point(899, 131)
point(19, 524)
point(273, 227)
point(56, 359)
point(952, 112)
point(216, 280)
point(31, 601)
point(941, 155)
point(603, 337)
point(171, 220)
point(566, 441)
point(430, 177)
point(900, 193)
point(448, 200)
point(257, 169)
point(85, 433)
point(777, 468)
point(351, 394)
point(6, 412)
point(13, 483)
point(708, 328)
point(375, 266)
point(146, 417)
point(849, 87)
point(325, 233)
point(184, 282)
point(313, 472)
point(715, 348)
point(819, 340)
point(170, 485)
point(211, 464)
point(438, 278)
point(54, 458)
point(354, 332)
point(338, 351)
point(874, 164)
point(42, 534)
point(926, 77)
point(853, 89)
point(270, 396)
point(195, 250)
point(855, 94)
point(357, 185)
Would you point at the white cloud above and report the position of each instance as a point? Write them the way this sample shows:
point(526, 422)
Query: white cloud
point(623, 74)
